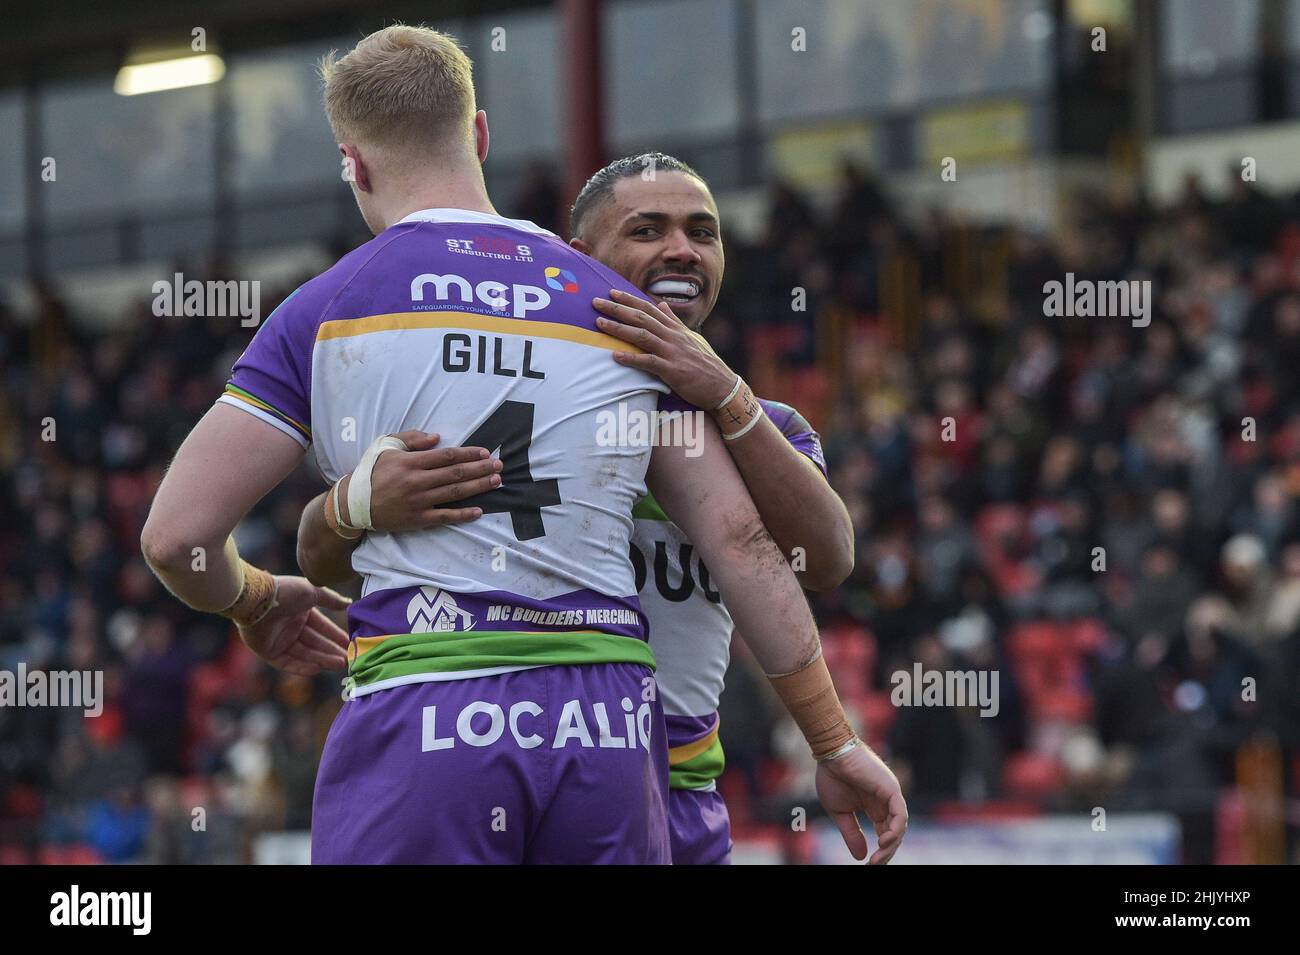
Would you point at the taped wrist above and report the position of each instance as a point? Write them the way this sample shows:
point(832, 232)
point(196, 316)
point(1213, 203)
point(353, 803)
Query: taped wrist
point(334, 520)
point(809, 695)
point(738, 412)
point(257, 596)
point(359, 485)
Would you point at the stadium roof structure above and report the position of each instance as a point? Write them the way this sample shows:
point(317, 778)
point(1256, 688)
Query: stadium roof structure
point(70, 38)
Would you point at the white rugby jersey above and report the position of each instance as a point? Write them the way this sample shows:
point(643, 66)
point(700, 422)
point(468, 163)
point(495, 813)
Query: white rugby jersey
point(481, 329)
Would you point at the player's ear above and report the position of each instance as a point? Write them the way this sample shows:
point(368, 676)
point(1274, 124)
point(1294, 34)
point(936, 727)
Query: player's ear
point(580, 245)
point(354, 169)
point(481, 136)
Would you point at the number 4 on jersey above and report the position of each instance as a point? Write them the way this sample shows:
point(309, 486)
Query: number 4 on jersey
point(510, 428)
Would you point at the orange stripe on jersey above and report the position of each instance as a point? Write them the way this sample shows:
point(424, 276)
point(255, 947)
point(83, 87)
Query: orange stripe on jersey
point(248, 398)
point(351, 327)
point(360, 646)
point(680, 754)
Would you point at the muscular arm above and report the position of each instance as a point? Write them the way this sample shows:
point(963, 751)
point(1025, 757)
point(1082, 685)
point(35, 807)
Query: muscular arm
point(797, 504)
point(706, 497)
point(324, 557)
point(203, 497)
point(199, 503)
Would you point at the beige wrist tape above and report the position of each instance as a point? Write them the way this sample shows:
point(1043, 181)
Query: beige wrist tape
point(359, 485)
point(256, 597)
point(810, 697)
point(334, 520)
point(739, 412)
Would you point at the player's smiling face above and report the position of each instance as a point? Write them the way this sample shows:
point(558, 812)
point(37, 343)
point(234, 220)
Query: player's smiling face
point(664, 237)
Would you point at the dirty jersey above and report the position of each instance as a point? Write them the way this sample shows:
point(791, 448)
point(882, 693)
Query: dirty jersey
point(481, 329)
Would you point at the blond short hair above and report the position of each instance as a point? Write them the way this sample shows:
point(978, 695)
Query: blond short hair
point(407, 90)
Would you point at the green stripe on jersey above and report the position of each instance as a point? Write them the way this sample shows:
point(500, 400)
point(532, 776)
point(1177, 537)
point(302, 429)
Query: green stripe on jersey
point(698, 771)
point(648, 509)
point(408, 654)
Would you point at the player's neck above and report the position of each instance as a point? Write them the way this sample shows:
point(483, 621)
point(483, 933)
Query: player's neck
point(471, 197)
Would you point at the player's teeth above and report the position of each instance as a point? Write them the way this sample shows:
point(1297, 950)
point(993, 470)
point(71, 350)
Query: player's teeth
point(671, 287)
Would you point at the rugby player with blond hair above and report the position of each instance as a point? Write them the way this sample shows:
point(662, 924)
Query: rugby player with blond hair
point(501, 704)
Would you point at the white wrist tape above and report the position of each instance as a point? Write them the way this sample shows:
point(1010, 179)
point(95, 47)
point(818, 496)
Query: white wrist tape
point(848, 747)
point(359, 485)
point(743, 431)
point(735, 390)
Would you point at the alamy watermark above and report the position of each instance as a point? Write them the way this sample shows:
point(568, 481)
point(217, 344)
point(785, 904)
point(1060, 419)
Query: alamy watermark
point(921, 687)
point(133, 910)
point(76, 689)
point(1085, 298)
point(211, 299)
point(638, 428)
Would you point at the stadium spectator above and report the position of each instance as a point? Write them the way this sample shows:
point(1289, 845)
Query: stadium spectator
point(1175, 448)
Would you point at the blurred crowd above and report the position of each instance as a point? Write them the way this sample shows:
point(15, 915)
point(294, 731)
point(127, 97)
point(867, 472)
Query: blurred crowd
point(199, 746)
point(1101, 510)
point(1104, 514)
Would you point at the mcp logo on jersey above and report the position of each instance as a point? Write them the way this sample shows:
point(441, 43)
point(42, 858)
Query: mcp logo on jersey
point(561, 279)
point(497, 296)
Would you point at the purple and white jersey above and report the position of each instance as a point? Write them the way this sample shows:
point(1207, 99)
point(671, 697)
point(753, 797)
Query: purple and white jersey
point(481, 329)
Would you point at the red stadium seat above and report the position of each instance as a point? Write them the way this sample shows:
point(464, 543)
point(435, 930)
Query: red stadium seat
point(14, 855)
point(81, 855)
point(736, 794)
point(879, 714)
point(68, 855)
point(1031, 775)
point(850, 653)
point(1088, 635)
point(1230, 828)
point(808, 390)
point(109, 727)
point(24, 802)
point(1048, 660)
point(992, 811)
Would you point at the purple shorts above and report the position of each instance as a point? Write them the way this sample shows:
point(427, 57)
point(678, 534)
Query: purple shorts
point(557, 764)
point(700, 828)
